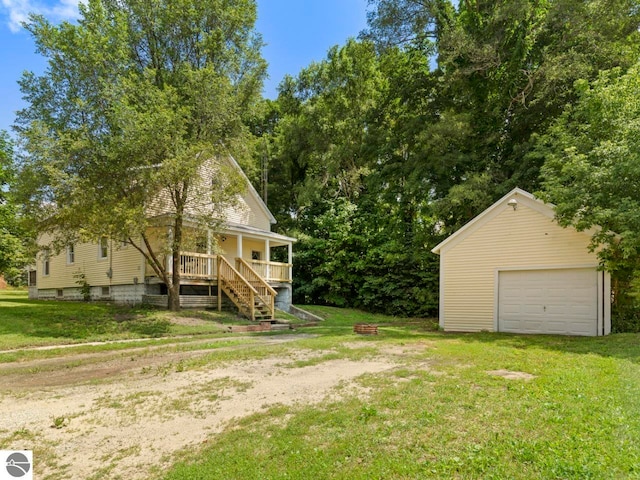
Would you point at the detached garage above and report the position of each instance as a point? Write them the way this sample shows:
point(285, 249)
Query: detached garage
point(514, 269)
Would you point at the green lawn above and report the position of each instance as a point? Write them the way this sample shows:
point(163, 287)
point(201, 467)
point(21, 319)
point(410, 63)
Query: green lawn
point(440, 414)
point(25, 322)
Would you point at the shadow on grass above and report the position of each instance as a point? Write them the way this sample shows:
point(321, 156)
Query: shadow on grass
point(621, 345)
point(38, 319)
point(340, 321)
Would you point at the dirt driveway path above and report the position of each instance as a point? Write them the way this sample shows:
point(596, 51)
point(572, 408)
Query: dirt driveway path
point(124, 414)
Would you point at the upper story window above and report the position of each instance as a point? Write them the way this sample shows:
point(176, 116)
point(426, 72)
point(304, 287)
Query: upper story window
point(71, 255)
point(103, 248)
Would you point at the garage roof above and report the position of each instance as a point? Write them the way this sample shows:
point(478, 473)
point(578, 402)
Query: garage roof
point(521, 196)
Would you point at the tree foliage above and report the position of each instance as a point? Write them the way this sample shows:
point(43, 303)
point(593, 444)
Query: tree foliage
point(592, 172)
point(137, 99)
point(14, 236)
point(401, 137)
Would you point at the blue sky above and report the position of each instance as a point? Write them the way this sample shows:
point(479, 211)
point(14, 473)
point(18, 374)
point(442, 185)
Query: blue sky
point(297, 32)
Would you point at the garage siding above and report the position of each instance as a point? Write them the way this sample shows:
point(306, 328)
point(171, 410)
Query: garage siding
point(522, 238)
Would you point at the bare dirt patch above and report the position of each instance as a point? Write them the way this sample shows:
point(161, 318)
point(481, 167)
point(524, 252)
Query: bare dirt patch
point(510, 375)
point(192, 322)
point(126, 416)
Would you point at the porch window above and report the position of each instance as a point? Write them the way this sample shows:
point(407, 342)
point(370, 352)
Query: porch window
point(256, 255)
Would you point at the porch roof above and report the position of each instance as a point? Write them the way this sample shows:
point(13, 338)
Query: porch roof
point(256, 232)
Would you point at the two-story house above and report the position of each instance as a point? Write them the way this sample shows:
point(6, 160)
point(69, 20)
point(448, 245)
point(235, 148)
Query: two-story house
point(234, 262)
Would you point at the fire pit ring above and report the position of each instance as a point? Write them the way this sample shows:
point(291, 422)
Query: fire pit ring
point(365, 329)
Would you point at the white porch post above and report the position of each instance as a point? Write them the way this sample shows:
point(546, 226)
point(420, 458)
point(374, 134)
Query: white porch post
point(290, 260)
point(267, 257)
point(239, 249)
point(169, 260)
point(209, 260)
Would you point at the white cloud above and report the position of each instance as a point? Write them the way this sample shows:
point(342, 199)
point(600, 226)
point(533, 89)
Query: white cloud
point(17, 11)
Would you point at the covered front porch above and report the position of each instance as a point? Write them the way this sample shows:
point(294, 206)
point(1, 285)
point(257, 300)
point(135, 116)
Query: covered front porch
point(251, 267)
point(203, 266)
point(269, 254)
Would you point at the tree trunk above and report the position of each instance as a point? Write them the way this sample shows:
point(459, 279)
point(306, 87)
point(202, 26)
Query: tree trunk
point(174, 297)
point(176, 245)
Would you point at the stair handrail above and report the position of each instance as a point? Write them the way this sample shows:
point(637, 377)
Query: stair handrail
point(238, 279)
point(269, 294)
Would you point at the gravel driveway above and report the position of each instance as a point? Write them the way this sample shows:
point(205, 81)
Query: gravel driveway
point(126, 414)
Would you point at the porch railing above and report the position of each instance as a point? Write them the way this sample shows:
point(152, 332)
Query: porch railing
point(202, 265)
point(198, 265)
point(266, 294)
point(272, 271)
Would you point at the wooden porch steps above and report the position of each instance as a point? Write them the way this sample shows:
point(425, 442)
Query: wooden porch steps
point(261, 310)
point(253, 296)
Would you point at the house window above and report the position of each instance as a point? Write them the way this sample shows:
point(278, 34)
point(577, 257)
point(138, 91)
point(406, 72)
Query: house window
point(103, 248)
point(32, 278)
point(46, 263)
point(256, 255)
point(59, 293)
point(106, 291)
point(71, 255)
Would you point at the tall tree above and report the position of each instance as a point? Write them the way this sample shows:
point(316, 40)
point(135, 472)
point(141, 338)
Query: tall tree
point(506, 69)
point(137, 99)
point(399, 139)
point(343, 181)
point(14, 237)
point(592, 172)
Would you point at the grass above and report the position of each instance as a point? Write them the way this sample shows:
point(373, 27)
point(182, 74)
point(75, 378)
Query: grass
point(26, 323)
point(440, 414)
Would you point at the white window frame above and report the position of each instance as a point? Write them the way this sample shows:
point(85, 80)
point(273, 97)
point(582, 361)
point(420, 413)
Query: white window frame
point(71, 254)
point(103, 248)
point(46, 263)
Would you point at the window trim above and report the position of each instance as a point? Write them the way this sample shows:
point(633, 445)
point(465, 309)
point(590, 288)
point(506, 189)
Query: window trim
point(102, 249)
point(46, 262)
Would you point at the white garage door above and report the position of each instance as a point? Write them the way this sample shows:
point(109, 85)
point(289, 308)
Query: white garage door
point(548, 301)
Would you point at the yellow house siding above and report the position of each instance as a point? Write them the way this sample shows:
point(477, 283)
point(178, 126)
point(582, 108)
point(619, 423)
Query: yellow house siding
point(125, 264)
point(253, 245)
point(249, 213)
point(522, 238)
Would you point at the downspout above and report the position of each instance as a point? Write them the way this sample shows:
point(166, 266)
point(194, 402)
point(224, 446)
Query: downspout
point(110, 266)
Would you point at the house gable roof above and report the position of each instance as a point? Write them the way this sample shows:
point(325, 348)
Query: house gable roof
point(253, 192)
point(521, 196)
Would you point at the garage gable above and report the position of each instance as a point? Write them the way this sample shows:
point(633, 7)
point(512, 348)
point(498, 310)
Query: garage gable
point(518, 234)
